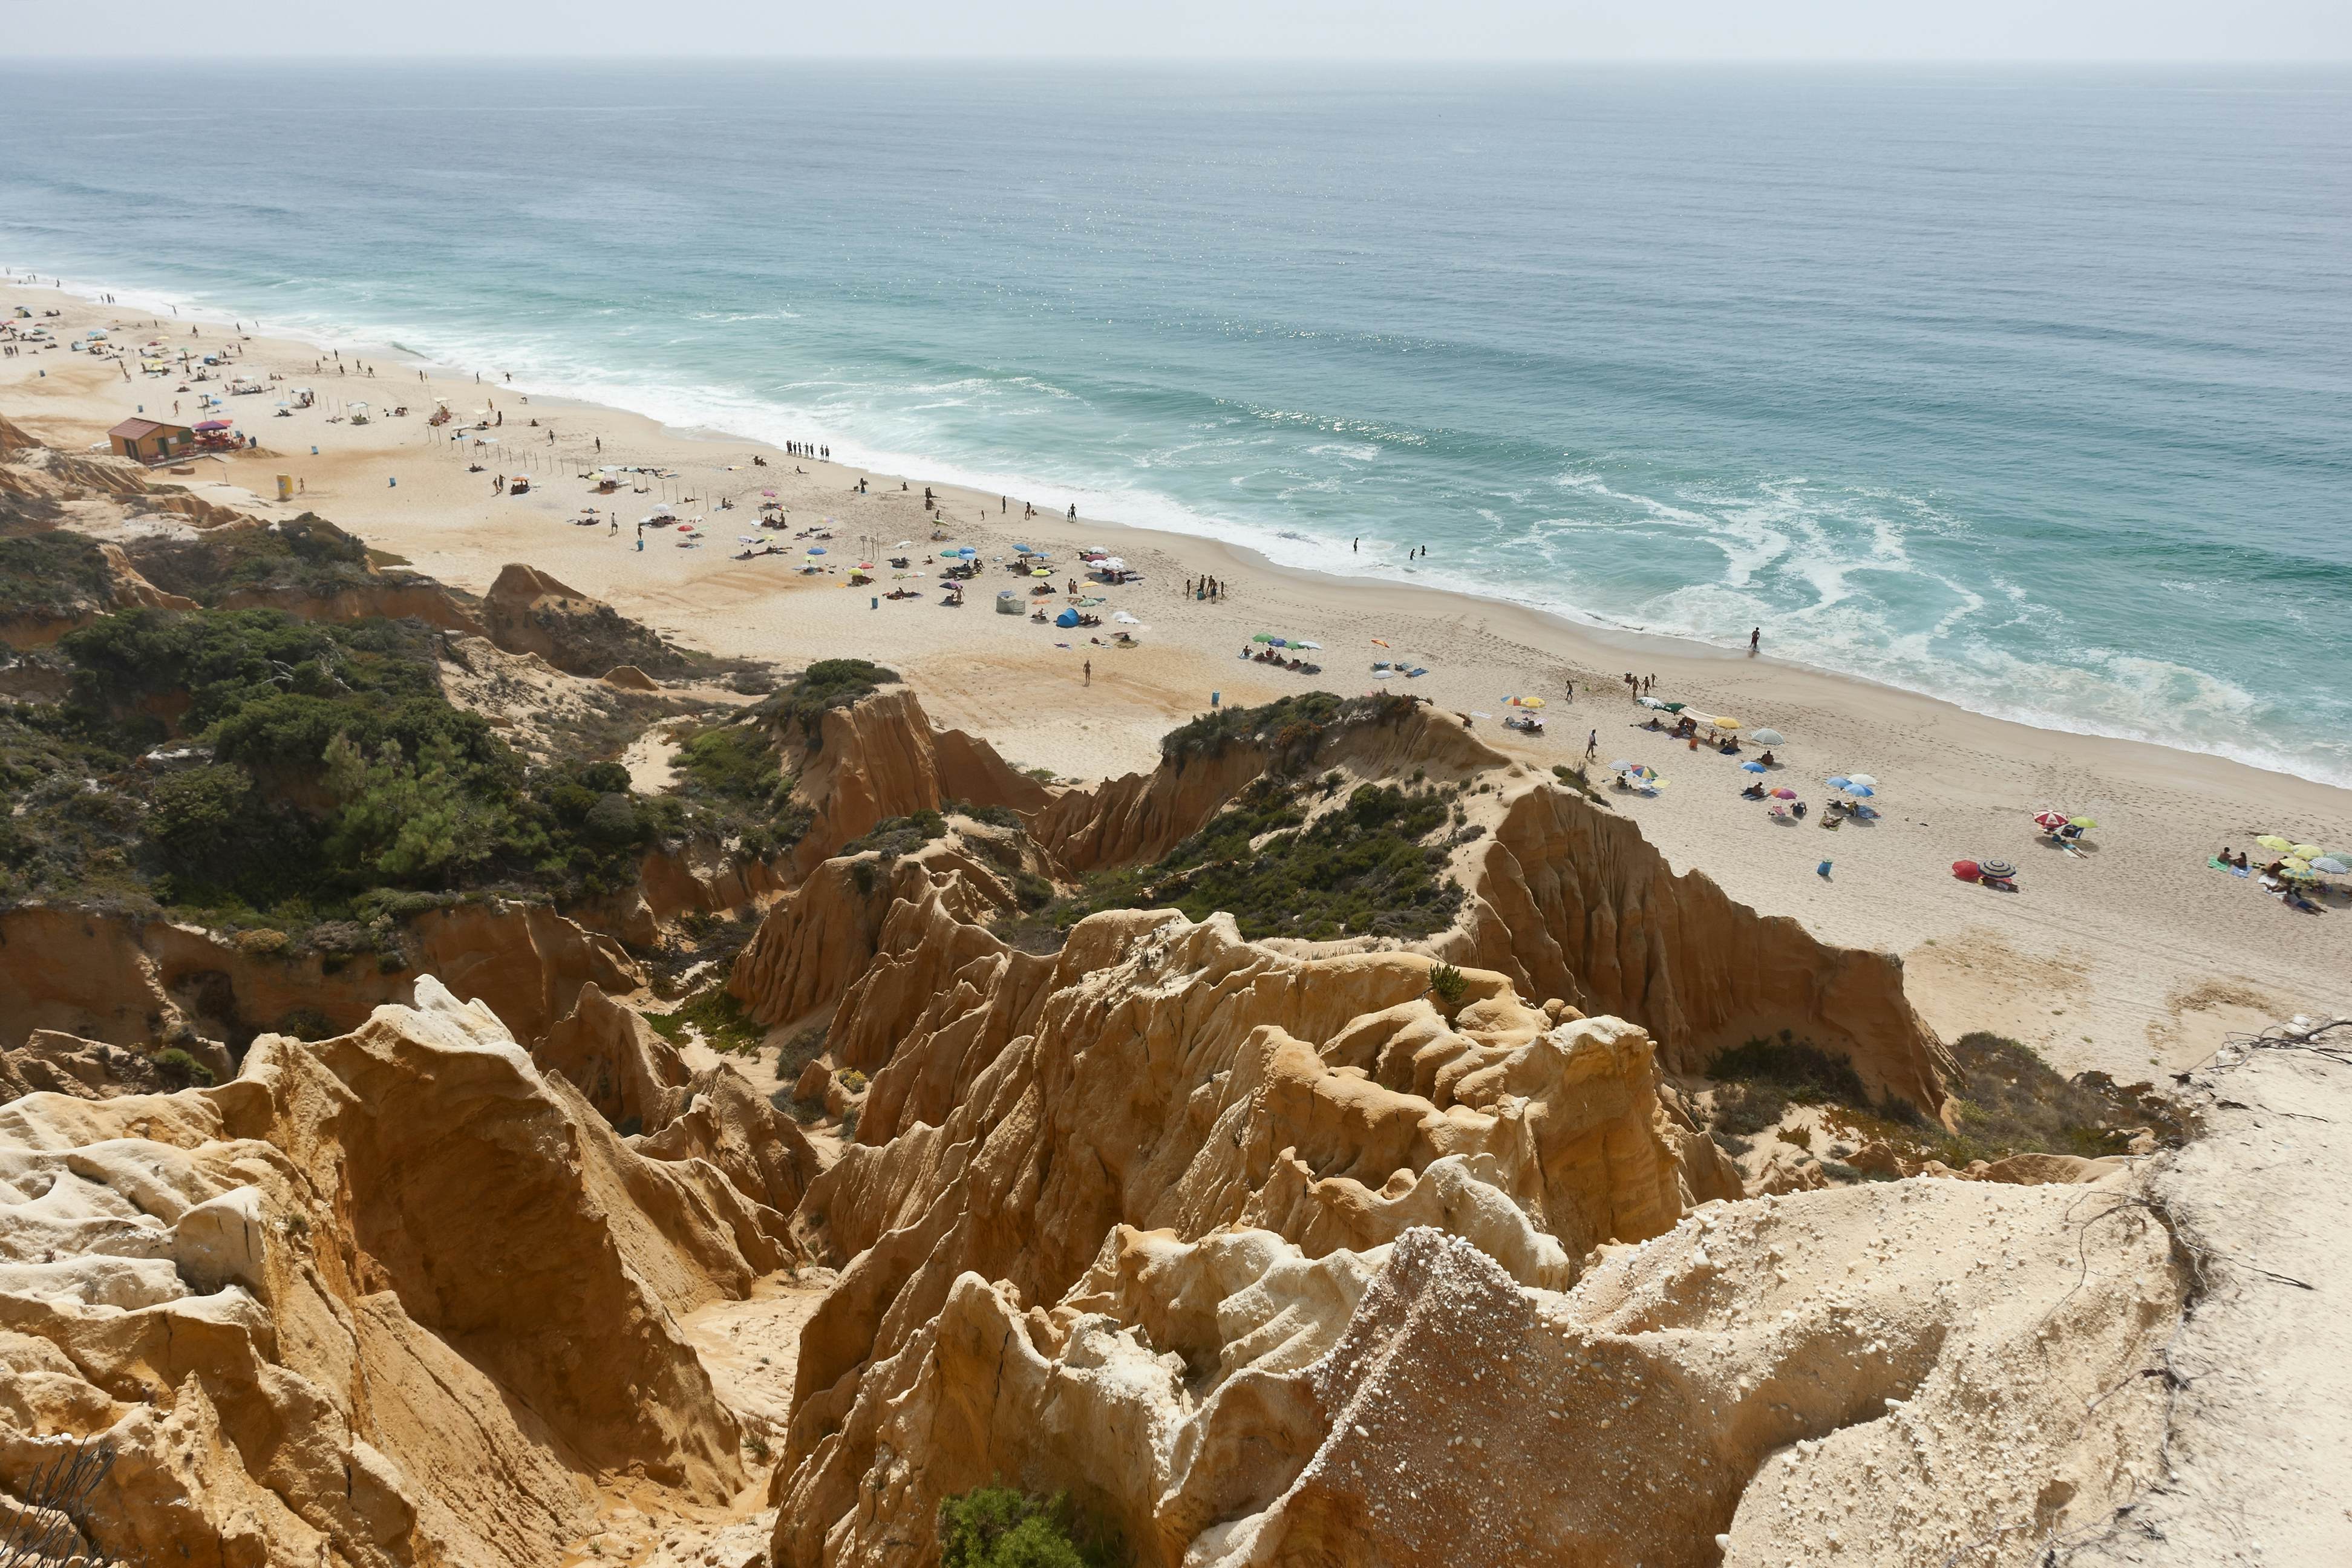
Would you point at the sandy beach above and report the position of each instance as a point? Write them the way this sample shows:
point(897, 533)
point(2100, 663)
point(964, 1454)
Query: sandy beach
point(2131, 957)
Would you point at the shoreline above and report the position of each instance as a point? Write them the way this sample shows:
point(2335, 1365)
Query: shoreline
point(1591, 627)
point(2131, 959)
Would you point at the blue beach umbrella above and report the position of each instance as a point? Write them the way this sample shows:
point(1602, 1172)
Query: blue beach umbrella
point(1838, 781)
point(1751, 767)
point(1860, 789)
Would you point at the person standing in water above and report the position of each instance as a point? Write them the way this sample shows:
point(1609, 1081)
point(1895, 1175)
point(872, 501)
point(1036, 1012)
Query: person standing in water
point(1755, 639)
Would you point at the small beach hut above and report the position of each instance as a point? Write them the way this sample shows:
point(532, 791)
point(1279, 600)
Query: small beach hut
point(150, 440)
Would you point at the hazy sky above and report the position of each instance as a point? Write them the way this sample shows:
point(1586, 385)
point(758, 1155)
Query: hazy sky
point(2299, 31)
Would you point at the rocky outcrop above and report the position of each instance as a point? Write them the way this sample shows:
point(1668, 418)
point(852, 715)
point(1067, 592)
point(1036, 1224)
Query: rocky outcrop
point(628, 1073)
point(1567, 899)
point(883, 758)
point(527, 611)
point(392, 1298)
point(638, 1083)
point(1570, 901)
point(390, 595)
point(51, 1063)
point(1138, 818)
point(132, 982)
point(1735, 1391)
point(1161, 1074)
point(134, 592)
point(816, 944)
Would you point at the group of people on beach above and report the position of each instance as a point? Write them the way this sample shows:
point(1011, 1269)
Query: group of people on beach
point(1204, 588)
point(807, 449)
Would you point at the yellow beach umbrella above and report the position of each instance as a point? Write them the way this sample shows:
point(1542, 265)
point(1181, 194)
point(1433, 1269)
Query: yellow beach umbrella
point(2273, 841)
point(2306, 851)
point(1725, 721)
point(1528, 702)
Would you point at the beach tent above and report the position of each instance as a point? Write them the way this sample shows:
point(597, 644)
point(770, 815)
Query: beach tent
point(1067, 618)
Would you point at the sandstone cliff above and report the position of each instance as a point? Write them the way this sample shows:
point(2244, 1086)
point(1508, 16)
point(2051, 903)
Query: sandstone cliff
point(137, 983)
point(390, 1298)
point(1570, 901)
point(1157, 1073)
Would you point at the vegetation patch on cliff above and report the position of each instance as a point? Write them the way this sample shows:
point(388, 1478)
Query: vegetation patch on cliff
point(251, 768)
point(307, 557)
point(998, 1527)
point(2005, 1099)
point(1372, 865)
point(1290, 729)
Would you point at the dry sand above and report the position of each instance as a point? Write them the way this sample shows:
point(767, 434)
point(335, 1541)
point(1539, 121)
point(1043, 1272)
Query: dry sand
point(2133, 956)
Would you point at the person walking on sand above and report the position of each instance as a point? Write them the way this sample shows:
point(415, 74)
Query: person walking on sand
point(1090, 672)
point(1592, 746)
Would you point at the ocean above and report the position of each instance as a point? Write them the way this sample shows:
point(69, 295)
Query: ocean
point(2031, 389)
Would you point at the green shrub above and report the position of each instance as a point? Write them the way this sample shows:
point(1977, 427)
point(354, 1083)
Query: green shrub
point(899, 836)
point(1799, 1070)
point(1366, 867)
point(179, 1071)
point(795, 1054)
point(998, 1527)
point(994, 815)
point(2007, 1101)
point(717, 1016)
point(827, 684)
point(1448, 984)
point(307, 1024)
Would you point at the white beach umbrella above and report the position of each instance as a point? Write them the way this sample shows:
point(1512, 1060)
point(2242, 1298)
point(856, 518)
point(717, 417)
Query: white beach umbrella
point(1865, 780)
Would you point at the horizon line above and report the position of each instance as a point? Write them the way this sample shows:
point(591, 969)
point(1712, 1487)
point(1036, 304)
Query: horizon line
point(741, 57)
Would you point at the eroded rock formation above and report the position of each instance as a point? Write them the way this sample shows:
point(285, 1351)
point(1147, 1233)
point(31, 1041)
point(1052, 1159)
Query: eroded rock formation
point(135, 983)
point(390, 1298)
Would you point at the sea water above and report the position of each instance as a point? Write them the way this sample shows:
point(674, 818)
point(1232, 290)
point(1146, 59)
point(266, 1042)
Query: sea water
point(2029, 389)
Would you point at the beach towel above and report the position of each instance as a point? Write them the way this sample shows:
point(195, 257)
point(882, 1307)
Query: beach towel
point(2218, 864)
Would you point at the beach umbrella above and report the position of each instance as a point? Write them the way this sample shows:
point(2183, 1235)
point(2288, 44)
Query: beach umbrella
point(1022, 548)
point(2306, 851)
point(2334, 866)
point(903, 544)
point(1651, 702)
point(1861, 789)
point(1528, 702)
point(1784, 795)
point(2050, 821)
point(2273, 842)
point(1621, 766)
point(1865, 780)
point(816, 550)
point(1838, 780)
point(1302, 642)
point(1770, 738)
point(1722, 721)
point(2001, 869)
point(1967, 870)
point(2081, 822)
point(1262, 637)
point(1383, 674)
point(1751, 767)
point(1041, 572)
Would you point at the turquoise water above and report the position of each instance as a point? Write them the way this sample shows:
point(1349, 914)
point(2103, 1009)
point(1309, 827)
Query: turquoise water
point(2030, 390)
